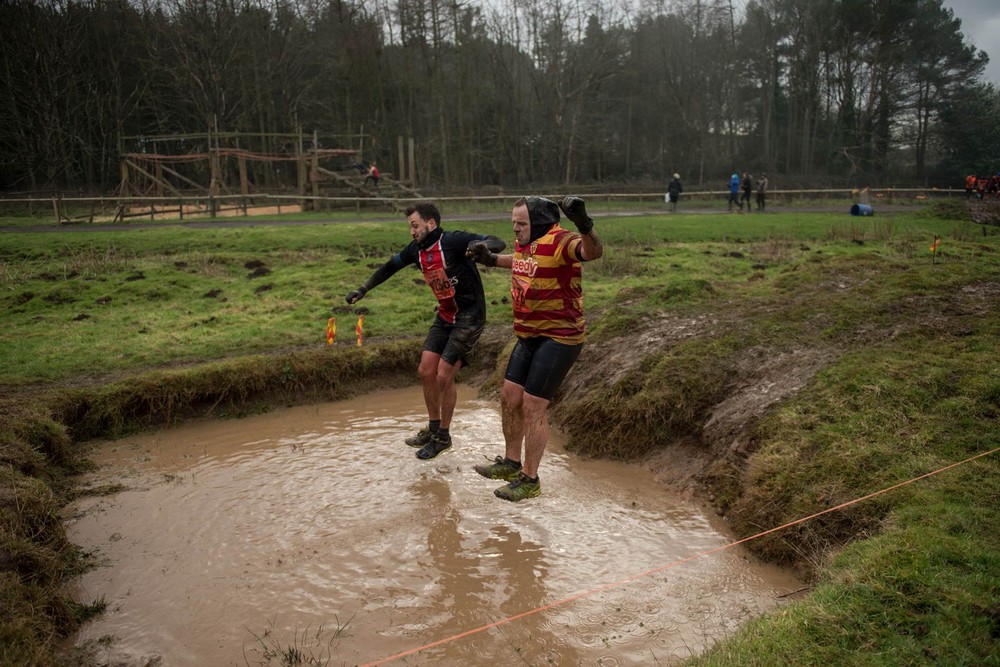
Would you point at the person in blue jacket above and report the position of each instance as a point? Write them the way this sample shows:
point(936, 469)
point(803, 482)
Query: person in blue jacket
point(734, 192)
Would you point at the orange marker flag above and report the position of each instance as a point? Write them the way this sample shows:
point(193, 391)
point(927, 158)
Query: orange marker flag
point(358, 328)
point(331, 330)
point(937, 242)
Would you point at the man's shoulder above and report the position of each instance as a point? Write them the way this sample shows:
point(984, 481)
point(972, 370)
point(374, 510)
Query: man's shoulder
point(457, 235)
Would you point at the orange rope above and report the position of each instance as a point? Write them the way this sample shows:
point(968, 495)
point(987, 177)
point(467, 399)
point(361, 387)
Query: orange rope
point(666, 567)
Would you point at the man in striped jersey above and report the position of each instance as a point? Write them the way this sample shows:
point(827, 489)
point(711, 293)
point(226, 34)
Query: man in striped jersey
point(547, 294)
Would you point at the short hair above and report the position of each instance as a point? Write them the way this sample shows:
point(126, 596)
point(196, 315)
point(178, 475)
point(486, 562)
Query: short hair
point(427, 210)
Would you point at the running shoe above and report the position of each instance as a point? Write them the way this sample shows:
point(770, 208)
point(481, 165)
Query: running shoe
point(501, 468)
point(519, 488)
point(422, 437)
point(434, 446)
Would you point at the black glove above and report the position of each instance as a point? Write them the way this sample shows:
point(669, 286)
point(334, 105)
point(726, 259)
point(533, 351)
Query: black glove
point(480, 252)
point(356, 295)
point(576, 211)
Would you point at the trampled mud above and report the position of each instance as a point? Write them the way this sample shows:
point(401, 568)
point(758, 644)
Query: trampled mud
point(242, 541)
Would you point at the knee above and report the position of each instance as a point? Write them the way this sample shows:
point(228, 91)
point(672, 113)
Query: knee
point(445, 379)
point(446, 372)
point(426, 371)
point(511, 397)
point(534, 407)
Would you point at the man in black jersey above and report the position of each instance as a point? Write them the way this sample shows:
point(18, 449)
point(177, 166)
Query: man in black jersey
point(461, 313)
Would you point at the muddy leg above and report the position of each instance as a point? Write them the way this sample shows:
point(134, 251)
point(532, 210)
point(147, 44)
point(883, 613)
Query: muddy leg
point(512, 414)
point(428, 371)
point(536, 432)
point(446, 391)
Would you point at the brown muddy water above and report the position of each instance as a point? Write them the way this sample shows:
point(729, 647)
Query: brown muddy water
point(244, 542)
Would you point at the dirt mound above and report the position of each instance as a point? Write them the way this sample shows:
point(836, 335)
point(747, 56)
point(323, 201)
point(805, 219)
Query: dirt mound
point(986, 212)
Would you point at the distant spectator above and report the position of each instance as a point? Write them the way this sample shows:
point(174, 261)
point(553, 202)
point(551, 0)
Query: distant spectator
point(747, 189)
point(970, 185)
point(761, 192)
point(993, 189)
point(674, 190)
point(373, 176)
point(734, 191)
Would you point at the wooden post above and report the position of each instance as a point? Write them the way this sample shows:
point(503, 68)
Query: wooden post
point(300, 160)
point(213, 188)
point(401, 176)
point(126, 188)
point(413, 166)
point(241, 164)
point(158, 172)
point(314, 175)
point(213, 168)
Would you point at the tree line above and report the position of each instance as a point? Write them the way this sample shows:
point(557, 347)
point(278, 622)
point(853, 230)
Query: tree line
point(527, 92)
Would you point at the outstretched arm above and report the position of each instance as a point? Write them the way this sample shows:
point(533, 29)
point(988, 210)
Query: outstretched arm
point(591, 247)
point(380, 275)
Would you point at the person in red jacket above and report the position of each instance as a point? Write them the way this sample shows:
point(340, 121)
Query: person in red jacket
point(373, 176)
point(970, 185)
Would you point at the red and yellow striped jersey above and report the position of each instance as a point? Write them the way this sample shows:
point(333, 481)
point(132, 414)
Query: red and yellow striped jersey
point(546, 289)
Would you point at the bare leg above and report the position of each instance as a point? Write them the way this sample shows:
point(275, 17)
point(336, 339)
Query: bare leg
point(536, 432)
point(428, 371)
point(446, 391)
point(511, 412)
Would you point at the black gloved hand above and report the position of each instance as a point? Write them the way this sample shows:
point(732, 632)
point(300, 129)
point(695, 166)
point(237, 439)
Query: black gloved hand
point(479, 251)
point(576, 211)
point(356, 295)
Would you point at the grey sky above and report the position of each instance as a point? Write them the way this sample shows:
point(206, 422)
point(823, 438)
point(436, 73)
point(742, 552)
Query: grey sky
point(981, 27)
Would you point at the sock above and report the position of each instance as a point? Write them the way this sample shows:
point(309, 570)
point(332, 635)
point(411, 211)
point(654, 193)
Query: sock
point(443, 432)
point(533, 480)
point(434, 424)
point(514, 464)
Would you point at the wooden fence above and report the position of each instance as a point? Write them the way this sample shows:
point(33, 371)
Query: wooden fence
point(116, 209)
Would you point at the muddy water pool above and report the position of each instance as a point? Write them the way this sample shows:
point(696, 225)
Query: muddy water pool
point(239, 542)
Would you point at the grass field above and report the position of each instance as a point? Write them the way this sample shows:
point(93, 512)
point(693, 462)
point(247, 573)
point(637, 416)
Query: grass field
point(86, 303)
point(907, 380)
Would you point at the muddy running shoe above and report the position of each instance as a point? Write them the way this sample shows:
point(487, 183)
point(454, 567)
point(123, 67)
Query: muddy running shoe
point(520, 487)
point(501, 468)
point(434, 446)
point(422, 437)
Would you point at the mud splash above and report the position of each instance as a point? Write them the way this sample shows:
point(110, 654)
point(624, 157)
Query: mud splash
point(241, 542)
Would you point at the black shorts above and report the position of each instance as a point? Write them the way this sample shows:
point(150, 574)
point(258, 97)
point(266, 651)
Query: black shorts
point(454, 341)
point(540, 365)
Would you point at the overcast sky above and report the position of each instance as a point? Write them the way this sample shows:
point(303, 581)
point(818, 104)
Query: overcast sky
point(981, 27)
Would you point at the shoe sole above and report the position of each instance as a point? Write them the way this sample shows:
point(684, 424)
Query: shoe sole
point(435, 455)
point(514, 500)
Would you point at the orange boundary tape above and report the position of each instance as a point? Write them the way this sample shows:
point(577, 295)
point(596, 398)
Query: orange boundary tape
point(605, 587)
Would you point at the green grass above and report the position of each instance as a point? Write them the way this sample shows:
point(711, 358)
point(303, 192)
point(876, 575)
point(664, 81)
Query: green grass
point(106, 302)
point(908, 380)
